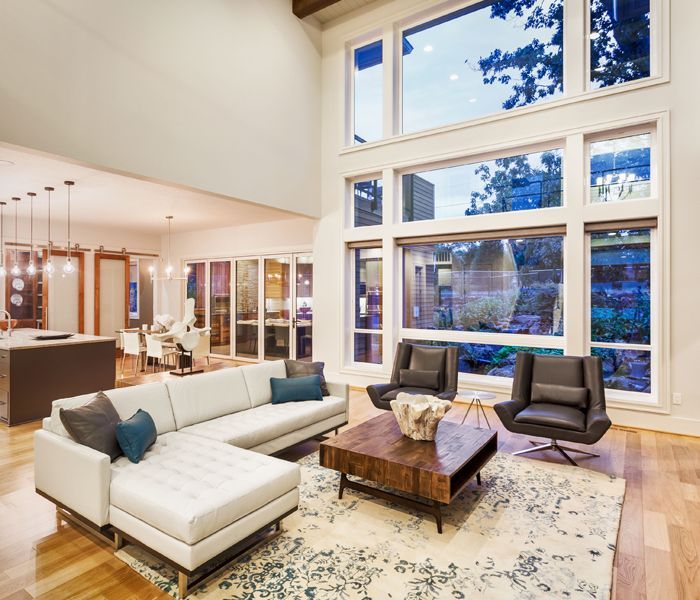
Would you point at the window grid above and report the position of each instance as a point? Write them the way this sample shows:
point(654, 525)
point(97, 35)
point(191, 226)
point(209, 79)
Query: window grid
point(575, 147)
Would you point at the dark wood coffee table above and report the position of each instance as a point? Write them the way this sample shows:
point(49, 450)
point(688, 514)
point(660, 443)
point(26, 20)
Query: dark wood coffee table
point(434, 472)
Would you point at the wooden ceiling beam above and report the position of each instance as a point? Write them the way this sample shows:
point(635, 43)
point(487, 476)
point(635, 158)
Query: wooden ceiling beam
point(304, 8)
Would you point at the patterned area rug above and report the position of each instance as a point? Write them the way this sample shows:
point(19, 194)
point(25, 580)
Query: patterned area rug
point(532, 530)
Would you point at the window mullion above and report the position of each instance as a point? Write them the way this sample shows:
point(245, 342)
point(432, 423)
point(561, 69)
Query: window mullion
point(391, 276)
point(575, 41)
point(575, 304)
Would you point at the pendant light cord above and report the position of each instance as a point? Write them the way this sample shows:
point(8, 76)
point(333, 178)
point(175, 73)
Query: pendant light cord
point(49, 240)
point(16, 206)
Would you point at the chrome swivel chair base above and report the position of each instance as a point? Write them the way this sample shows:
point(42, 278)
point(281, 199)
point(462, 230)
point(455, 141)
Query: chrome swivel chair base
point(554, 445)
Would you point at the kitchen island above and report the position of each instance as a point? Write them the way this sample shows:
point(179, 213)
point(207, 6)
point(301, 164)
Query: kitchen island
point(34, 373)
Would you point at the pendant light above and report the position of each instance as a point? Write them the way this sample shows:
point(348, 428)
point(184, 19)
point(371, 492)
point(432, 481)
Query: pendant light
point(168, 266)
point(3, 270)
point(68, 267)
point(15, 270)
point(31, 267)
point(48, 266)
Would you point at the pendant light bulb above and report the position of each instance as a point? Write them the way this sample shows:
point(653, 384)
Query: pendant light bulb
point(15, 270)
point(31, 268)
point(68, 267)
point(48, 266)
point(3, 271)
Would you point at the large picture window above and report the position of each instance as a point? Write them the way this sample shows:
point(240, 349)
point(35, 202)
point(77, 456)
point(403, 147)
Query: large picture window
point(513, 183)
point(484, 58)
point(620, 36)
point(500, 286)
point(621, 307)
point(367, 332)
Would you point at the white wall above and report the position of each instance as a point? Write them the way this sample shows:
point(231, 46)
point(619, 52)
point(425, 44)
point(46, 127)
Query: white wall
point(289, 235)
point(679, 97)
point(217, 96)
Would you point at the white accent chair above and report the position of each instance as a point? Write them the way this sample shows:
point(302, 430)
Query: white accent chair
point(133, 347)
point(159, 353)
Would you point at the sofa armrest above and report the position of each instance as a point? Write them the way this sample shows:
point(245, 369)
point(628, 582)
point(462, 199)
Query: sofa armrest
point(76, 476)
point(341, 390)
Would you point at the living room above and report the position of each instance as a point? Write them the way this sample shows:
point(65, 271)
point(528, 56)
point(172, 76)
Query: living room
point(384, 298)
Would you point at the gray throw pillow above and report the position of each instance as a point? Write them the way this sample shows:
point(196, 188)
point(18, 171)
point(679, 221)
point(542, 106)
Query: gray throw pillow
point(94, 425)
point(419, 379)
point(576, 397)
point(299, 368)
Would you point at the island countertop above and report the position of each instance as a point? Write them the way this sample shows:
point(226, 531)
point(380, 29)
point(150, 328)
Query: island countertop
point(34, 373)
point(22, 339)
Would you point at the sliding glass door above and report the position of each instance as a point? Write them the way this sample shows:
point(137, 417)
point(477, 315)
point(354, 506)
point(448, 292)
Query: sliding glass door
point(197, 289)
point(269, 299)
point(278, 304)
point(220, 306)
point(302, 326)
point(247, 311)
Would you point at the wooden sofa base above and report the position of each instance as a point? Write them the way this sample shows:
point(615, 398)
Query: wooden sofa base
point(189, 579)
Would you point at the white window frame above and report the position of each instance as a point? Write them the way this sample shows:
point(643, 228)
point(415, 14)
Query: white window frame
point(350, 47)
point(576, 87)
point(352, 328)
point(575, 213)
point(622, 397)
point(655, 46)
point(603, 136)
point(350, 203)
point(554, 144)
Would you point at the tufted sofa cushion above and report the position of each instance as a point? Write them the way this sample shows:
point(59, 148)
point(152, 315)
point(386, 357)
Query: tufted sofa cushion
point(267, 422)
point(257, 379)
point(151, 397)
point(190, 487)
point(207, 396)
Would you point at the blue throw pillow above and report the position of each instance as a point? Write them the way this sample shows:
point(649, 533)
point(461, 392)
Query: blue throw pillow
point(296, 389)
point(136, 435)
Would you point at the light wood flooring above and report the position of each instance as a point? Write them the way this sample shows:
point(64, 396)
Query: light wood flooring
point(657, 551)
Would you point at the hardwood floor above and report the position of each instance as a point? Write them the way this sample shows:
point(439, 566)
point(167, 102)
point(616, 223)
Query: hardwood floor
point(657, 549)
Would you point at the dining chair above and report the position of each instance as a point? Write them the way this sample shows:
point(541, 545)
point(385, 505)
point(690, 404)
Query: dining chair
point(131, 345)
point(157, 351)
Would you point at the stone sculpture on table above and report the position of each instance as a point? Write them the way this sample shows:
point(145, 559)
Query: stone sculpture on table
point(418, 416)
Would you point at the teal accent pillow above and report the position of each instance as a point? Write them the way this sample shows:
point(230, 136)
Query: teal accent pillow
point(295, 389)
point(136, 435)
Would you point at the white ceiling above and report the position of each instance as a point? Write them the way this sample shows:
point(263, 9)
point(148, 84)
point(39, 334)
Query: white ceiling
point(118, 201)
point(340, 9)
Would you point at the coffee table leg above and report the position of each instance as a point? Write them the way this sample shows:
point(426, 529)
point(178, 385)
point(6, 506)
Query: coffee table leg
point(343, 481)
point(437, 512)
point(478, 478)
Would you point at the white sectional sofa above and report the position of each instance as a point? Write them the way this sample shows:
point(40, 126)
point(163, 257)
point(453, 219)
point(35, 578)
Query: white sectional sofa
point(206, 489)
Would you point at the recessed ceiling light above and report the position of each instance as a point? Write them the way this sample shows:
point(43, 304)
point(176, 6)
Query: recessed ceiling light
point(454, 77)
point(427, 48)
point(472, 100)
point(6, 163)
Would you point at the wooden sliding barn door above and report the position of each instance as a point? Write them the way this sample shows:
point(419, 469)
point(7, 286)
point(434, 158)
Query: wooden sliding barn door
point(111, 293)
point(64, 295)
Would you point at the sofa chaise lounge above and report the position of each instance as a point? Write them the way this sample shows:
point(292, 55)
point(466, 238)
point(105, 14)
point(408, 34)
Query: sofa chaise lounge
point(207, 489)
